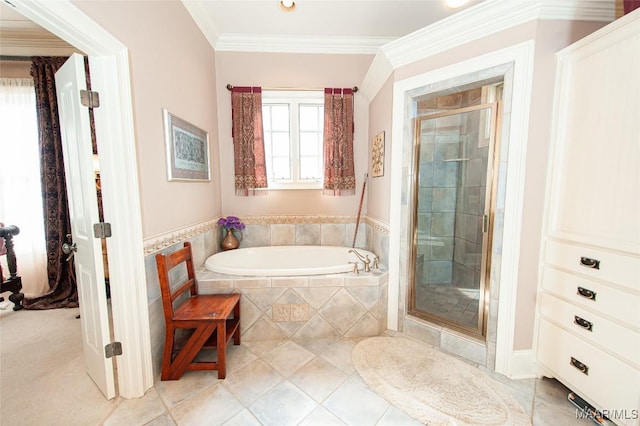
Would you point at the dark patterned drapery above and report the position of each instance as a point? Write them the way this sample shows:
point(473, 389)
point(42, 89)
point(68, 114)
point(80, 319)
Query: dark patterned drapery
point(248, 141)
point(63, 292)
point(630, 5)
point(339, 170)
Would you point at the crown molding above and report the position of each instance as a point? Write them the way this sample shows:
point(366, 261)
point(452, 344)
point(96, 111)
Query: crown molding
point(279, 44)
point(299, 44)
point(200, 15)
point(376, 76)
point(33, 42)
point(481, 20)
point(592, 10)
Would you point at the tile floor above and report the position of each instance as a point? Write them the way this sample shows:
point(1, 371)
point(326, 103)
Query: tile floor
point(303, 383)
point(283, 382)
point(459, 305)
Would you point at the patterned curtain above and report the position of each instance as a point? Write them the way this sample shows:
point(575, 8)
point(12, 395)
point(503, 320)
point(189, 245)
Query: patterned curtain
point(339, 170)
point(63, 292)
point(630, 5)
point(248, 140)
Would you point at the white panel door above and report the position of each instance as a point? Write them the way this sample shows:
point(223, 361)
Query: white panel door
point(83, 211)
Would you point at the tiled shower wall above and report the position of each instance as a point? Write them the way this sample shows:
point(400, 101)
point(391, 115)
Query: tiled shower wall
point(451, 193)
point(355, 295)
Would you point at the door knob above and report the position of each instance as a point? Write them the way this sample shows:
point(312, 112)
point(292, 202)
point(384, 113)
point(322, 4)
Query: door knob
point(69, 250)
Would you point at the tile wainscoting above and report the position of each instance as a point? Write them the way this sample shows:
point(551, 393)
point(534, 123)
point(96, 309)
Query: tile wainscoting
point(284, 307)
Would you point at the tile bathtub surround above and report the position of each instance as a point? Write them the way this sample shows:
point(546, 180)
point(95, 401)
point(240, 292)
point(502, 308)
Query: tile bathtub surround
point(267, 230)
point(306, 307)
point(372, 235)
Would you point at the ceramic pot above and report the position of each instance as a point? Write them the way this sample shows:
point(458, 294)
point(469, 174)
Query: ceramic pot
point(229, 242)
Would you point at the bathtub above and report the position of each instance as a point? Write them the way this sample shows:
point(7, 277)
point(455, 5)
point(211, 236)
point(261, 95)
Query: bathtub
point(286, 261)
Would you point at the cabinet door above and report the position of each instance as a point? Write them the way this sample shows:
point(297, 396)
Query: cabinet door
point(596, 173)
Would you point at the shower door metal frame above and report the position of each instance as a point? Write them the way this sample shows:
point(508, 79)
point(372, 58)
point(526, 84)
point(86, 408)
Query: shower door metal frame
point(480, 331)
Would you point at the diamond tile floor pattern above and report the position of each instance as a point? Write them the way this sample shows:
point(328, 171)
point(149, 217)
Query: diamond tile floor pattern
point(303, 383)
point(273, 382)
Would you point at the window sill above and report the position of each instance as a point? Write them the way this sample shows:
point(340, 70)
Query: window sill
point(293, 186)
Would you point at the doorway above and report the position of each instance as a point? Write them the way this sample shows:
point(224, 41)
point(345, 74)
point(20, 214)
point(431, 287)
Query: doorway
point(455, 153)
point(109, 61)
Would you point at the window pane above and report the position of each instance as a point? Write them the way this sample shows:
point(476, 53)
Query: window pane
point(267, 143)
point(280, 117)
point(309, 117)
point(281, 168)
point(280, 144)
point(309, 144)
point(309, 168)
point(266, 117)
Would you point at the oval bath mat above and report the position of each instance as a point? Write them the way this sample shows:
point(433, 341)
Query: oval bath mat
point(432, 387)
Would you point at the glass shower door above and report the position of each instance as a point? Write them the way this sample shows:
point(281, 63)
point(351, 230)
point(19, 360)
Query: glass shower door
point(452, 212)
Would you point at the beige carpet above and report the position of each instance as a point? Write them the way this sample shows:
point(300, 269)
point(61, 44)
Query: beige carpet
point(43, 379)
point(432, 387)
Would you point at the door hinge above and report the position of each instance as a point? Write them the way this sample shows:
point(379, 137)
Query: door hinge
point(113, 349)
point(102, 230)
point(89, 98)
point(485, 223)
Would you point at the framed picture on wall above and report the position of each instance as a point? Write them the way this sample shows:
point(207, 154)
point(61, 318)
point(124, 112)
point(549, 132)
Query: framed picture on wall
point(377, 155)
point(187, 150)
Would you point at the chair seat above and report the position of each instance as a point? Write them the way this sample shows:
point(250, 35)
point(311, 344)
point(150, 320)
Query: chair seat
point(204, 307)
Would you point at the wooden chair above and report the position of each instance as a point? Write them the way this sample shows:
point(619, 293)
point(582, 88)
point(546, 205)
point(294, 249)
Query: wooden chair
point(210, 320)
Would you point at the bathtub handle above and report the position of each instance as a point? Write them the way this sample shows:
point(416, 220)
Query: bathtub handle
point(375, 263)
point(355, 267)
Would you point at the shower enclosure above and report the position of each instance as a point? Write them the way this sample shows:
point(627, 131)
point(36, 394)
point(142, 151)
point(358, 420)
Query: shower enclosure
point(453, 193)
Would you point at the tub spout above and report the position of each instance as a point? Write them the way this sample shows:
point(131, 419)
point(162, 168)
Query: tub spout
point(364, 260)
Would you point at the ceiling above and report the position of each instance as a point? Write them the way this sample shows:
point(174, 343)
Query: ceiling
point(21, 37)
point(348, 26)
point(320, 26)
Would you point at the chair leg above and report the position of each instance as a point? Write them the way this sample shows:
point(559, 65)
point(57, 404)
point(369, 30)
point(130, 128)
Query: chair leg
point(222, 349)
point(236, 314)
point(190, 350)
point(167, 355)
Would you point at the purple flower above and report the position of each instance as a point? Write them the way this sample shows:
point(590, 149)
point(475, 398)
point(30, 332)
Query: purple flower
point(231, 222)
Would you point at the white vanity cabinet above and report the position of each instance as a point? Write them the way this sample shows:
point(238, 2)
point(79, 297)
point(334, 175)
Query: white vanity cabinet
point(588, 313)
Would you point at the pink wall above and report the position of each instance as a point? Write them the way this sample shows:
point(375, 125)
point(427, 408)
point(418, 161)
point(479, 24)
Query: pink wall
point(173, 67)
point(289, 70)
point(380, 118)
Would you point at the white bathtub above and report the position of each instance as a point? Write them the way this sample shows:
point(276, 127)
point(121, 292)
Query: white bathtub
point(286, 260)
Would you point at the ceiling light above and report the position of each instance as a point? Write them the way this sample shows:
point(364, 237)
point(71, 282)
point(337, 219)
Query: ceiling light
point(454, 4)
point(287, 5)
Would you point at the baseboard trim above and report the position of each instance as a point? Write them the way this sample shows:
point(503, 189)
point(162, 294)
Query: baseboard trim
point(523, 364)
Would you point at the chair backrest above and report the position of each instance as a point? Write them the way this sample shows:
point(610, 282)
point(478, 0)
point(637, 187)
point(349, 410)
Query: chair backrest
point(165, 264)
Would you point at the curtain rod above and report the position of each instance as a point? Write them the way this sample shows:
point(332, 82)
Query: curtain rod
point(310, 89)
point(15, 58)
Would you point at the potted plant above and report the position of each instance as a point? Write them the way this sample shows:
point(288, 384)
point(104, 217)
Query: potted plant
point(230, 224)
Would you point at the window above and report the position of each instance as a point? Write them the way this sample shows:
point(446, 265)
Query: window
point(293, 126)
